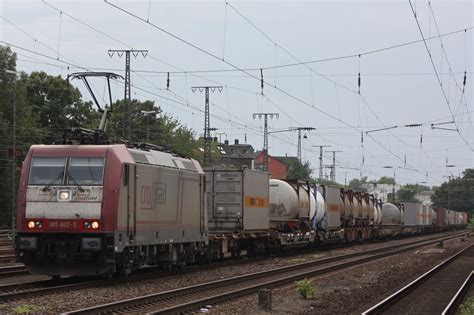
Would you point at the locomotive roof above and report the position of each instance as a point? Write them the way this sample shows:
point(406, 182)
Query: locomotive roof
point(165, 159)
point(128, 155)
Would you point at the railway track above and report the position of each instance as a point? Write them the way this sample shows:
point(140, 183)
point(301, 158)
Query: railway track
point(12, 271)
point(432, 293)
point(193, 297)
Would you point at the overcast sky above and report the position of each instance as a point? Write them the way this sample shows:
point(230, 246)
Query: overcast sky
point(398, 85)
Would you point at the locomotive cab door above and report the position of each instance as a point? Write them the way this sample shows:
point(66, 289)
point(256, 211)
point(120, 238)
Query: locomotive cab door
point(132, 202)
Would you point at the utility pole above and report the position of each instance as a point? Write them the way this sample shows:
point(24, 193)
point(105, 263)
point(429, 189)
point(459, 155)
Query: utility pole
point(207, 123)
point(127, 95)
point(13, 212)
point(321, 158)
point(333, 167)
point(265, 135)
point(299, 137)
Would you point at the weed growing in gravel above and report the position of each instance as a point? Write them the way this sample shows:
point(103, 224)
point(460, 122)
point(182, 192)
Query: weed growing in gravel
point(471, 224)
point(28, 309)
point(306, 289)
point(467, 308)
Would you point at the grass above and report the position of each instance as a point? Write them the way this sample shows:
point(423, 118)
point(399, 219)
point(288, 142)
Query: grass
point(306, 289)
point(467, 308)
point(28, 309)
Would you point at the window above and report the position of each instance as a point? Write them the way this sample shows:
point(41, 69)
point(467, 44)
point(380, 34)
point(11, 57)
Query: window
point(47, 171)
point(85, 171)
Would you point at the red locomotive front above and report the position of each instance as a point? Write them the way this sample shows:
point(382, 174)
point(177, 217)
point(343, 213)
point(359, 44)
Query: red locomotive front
point(67, 207)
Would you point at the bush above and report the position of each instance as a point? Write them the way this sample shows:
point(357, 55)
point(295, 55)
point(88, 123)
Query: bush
point(471, 225)
point(467, 308)
point(306, 289)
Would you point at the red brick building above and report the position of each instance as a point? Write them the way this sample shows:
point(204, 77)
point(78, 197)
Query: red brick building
point(276, 167)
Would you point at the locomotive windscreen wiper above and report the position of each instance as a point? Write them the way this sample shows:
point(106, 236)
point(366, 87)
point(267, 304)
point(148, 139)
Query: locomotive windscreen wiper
point(59, 176)
point(74, 181)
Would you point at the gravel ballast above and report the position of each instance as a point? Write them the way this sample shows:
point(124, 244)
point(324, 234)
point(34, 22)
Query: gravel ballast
point(332, 288)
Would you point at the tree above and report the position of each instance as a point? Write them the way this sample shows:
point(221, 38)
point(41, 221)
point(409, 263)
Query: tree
point(328, 182)
point(297, 170)
point(456, 194)
point(386, 180)
point(407, 192)
point(356, 184)
point(46, 105)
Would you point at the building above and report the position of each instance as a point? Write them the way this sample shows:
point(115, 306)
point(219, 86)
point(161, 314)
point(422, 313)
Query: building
point(382, 191)
point(236, 154)
point(277, 165)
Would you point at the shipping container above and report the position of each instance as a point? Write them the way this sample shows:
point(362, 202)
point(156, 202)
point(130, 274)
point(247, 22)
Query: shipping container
point(334, 205)
point(440, 216)
point(413, 213)
point(237, 200)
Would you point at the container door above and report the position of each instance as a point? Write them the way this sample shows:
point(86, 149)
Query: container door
point(132, 202)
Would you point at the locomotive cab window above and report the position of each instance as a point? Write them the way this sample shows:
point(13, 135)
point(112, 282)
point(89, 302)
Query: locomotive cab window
point(85, 171)
point(47, 171)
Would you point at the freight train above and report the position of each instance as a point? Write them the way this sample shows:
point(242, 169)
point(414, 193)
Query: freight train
point(104, 209)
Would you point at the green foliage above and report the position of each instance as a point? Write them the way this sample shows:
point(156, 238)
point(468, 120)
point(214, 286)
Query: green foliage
point(457, 194)
point(356, 184)
point(386, 180)
point(46, 105)
point(407, 192)
point(328, 182)
point(306, 289)
point(467, 308)
point(471, 224)
point(297, 170)
point(28, 309)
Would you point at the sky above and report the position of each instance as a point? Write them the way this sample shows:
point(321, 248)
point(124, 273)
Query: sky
point(235, 39)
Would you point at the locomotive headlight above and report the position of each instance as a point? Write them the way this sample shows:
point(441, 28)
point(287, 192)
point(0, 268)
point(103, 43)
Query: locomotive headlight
point(31, 224)
point(39, 224)
point(87, 225)
point(64, 195)
point(95, 225)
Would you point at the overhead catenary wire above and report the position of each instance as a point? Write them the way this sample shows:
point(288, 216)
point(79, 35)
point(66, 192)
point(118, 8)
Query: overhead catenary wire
point(439, 78)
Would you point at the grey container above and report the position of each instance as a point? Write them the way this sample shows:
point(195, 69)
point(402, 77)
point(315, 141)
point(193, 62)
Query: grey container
point(413, 213)
point(334, 205)
point(237, 200)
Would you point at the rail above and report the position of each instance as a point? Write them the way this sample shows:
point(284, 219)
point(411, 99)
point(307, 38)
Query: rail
point(389, 301)
point(225, 289)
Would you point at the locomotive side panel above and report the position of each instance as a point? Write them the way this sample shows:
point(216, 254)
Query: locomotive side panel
point(168, 206)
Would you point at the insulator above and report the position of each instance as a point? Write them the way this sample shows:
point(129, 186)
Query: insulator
point(168, 82)
point(464, 82)
point(358, 82)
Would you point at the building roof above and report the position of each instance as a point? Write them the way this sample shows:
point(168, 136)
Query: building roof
point(237, 150)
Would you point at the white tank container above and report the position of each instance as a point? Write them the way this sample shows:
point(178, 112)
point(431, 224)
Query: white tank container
point(376, 213)
point(320, 207)
point(365, 206)
point(391, 215)
point(380, 214)
point(348, 205)
point(356, 206)
point(283, 201)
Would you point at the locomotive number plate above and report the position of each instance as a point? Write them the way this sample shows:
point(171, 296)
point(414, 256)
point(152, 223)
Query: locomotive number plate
point(62, 225)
